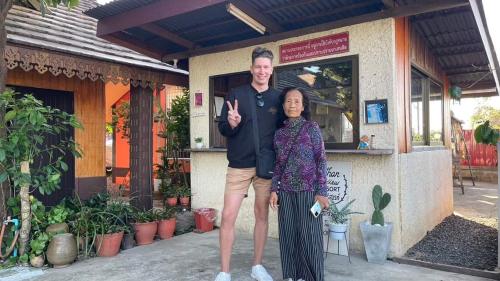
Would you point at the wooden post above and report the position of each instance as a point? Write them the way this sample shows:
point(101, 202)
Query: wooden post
point(141, 147)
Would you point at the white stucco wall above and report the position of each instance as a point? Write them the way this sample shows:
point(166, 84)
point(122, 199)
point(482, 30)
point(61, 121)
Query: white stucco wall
point(374, 45)
point(426, 192)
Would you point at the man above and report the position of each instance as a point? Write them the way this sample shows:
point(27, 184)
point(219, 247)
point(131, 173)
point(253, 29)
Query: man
point(236, 125)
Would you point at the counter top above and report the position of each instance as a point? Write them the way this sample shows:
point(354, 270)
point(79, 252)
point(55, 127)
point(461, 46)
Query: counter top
point(328, 151)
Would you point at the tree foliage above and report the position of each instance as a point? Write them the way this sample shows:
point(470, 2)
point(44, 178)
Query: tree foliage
point(28, 124)
point(486, 113)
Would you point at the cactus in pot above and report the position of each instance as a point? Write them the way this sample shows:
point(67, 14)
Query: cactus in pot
point(380, 201)
point(377, 233)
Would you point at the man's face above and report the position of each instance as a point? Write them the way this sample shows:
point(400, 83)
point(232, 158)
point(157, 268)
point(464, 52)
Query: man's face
point(261, 70)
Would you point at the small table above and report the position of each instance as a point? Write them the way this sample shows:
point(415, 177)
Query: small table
point(338, 245)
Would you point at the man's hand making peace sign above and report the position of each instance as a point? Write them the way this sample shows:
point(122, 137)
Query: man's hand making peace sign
point(233, 117)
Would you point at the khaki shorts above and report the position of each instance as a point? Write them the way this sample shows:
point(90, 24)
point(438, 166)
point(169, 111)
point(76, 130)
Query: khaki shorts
point(238, 182)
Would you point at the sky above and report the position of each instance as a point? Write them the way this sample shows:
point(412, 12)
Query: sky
point(466, 107)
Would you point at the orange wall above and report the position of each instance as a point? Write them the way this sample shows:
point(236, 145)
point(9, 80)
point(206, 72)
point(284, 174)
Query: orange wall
point(122, 147)
point(113, 93)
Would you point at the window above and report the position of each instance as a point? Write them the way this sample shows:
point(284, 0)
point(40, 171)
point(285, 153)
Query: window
point(333, 94)
point(332, 87)
point(219, 88)
point(426, 110)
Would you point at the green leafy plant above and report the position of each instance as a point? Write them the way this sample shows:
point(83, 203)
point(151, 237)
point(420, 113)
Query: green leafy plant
point(455, 92)
point(198, 139)
point(57, 214)
point(341, 216)
point(145, 216)
point(28, 123)
point(183, 190)
point(39, 244)
point(166, 214)
point(120, 119)
point(485, 134)
point(98, 200)
point(380, 201)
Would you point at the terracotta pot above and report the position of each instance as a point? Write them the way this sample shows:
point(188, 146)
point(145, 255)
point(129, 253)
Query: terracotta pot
point(62, 250)
point(145, 232)
point(172, 201)
point(37, 261)
point(108, 245)
point(166, 228)
point(184, 201)
point(128, 241)
point(57, 228)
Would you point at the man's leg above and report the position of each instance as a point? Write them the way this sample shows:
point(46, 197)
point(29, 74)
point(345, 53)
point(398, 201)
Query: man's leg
point(232, 204)
point(261, 211)
point(237, 183)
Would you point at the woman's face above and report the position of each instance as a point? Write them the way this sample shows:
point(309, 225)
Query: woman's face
point(293, 105)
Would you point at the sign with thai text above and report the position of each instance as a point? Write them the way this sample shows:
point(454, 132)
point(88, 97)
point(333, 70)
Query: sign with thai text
point(318, 47)
point(339, 180)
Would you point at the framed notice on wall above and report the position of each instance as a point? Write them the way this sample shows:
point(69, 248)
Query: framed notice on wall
point(376, 112)
point(339, 181)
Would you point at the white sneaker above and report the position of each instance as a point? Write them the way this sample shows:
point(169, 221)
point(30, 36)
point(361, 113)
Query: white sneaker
point(259, 273)
point(223, 276)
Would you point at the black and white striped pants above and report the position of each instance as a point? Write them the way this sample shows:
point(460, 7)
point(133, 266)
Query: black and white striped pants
point(301, 237)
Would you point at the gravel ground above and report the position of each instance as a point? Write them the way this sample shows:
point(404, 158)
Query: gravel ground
point(460, 242)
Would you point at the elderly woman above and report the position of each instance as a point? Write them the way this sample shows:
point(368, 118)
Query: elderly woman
point(299, 181)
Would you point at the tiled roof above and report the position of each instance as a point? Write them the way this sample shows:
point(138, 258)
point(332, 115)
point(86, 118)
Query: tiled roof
point(74, 33)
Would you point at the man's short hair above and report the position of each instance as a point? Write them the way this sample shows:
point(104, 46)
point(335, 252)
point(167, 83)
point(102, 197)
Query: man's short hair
point(261, 52)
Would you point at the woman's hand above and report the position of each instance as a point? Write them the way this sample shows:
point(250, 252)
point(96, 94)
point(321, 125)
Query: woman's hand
point(323, 201)
point(273, 201)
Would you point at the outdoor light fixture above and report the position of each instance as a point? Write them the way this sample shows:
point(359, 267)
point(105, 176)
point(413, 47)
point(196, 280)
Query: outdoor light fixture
point(235, 11)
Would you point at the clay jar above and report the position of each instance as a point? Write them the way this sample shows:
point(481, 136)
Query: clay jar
point(37, 261)
point(57, 228)
point(62, 250)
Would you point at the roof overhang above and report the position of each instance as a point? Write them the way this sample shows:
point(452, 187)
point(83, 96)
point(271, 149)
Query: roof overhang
point(479, 15)
point(173, 30)
point(155, 16)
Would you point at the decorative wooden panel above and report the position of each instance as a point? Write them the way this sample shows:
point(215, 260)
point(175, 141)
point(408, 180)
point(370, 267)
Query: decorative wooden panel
point(89, 109)
point(141, 146)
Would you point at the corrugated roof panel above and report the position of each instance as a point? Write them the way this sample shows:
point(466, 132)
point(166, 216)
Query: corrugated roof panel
point(116, 7)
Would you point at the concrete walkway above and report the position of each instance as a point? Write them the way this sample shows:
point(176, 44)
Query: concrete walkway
point(192, 256)
point(479, 203)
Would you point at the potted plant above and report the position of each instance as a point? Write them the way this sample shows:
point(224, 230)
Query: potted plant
point(339, 219)
point(38, 246)
point(184, 193)
point(109, 239)
point(166, 223)
point(377, 234)
point(112, 223)
point(145, 226)
point(169, 193)
point(198, 142)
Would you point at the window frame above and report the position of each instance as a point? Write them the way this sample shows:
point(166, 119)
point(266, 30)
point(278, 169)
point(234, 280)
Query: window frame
point(428, 79)
point(354, 59)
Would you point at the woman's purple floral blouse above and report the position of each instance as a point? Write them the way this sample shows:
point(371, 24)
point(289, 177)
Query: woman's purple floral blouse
point(306, 168)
